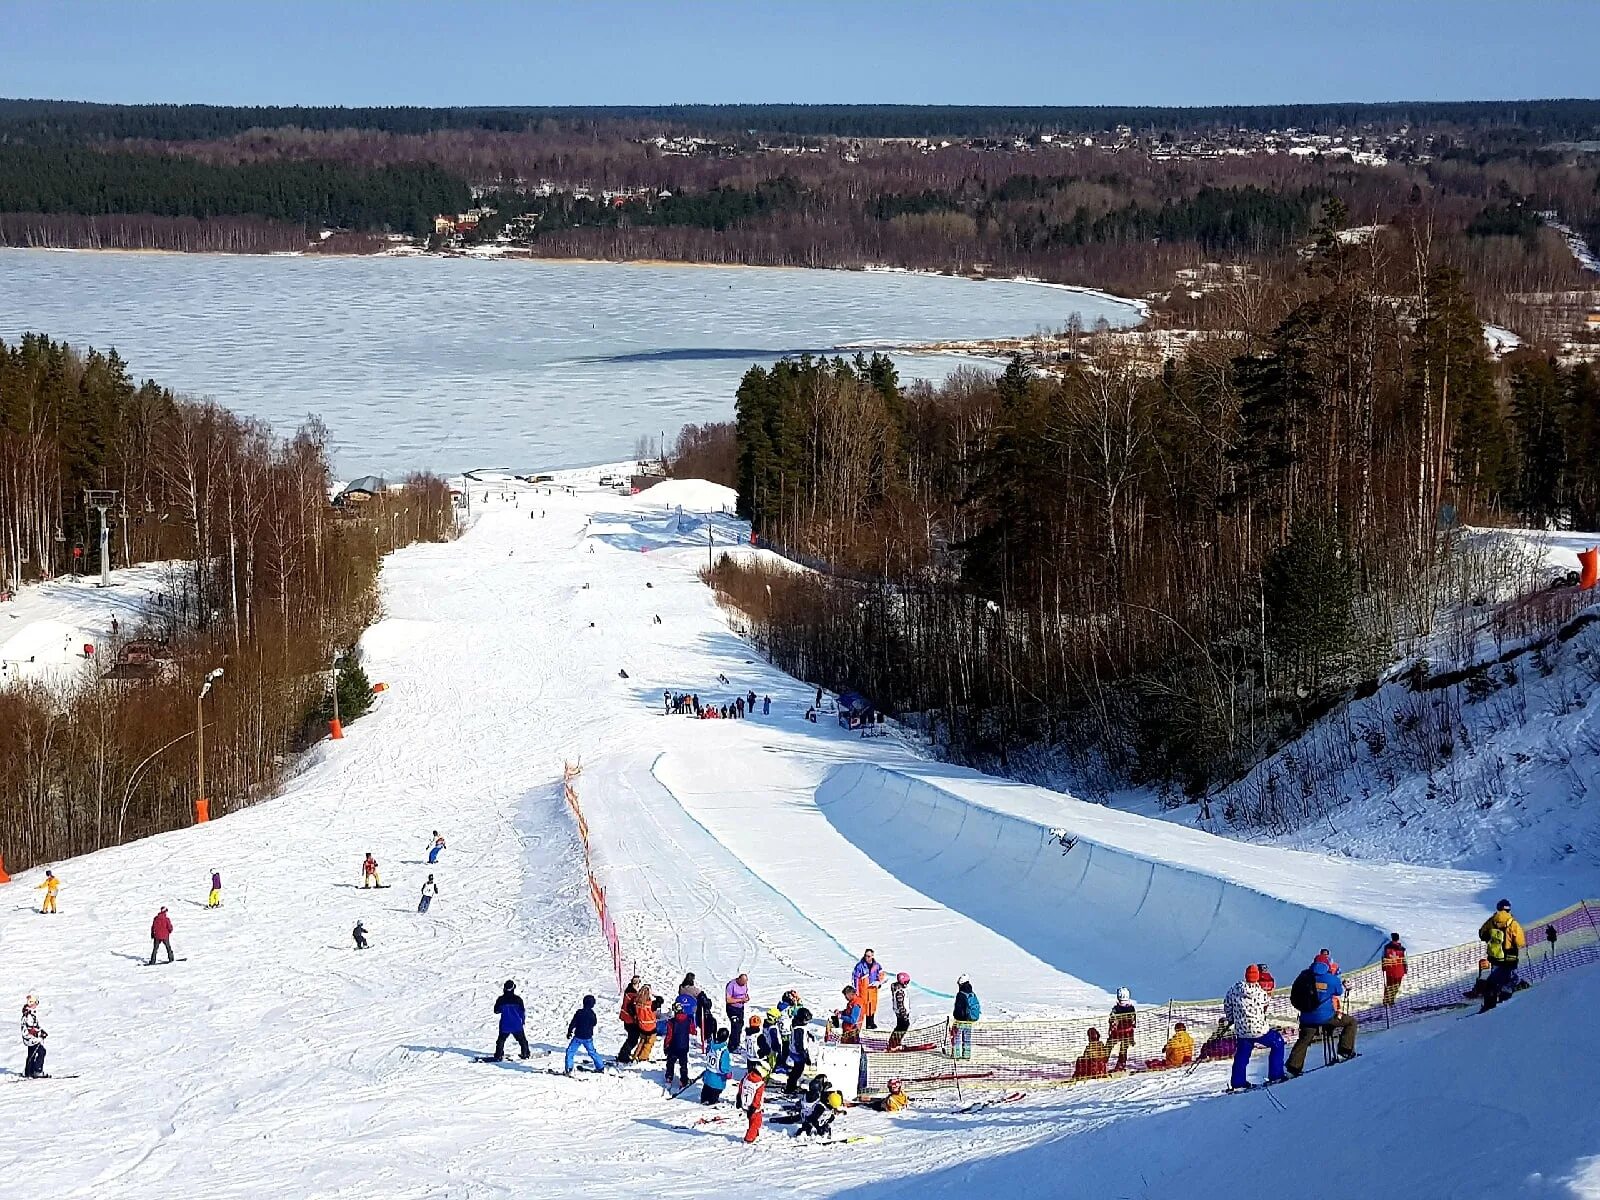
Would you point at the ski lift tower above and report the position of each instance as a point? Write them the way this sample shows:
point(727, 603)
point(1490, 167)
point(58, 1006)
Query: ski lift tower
point(102, 501)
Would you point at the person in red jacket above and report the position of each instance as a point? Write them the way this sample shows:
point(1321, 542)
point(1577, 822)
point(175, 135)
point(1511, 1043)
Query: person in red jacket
point(161, 935)
point(752, 1095)
point(1394, 968)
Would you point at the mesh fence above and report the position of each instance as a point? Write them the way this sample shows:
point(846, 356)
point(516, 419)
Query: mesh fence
point(1041, 1053)
point(597, 893)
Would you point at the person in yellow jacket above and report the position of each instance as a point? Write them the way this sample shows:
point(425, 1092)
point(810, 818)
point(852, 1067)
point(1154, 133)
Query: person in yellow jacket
point(48, 887)
point(1179, 1050)
point(1505, 940)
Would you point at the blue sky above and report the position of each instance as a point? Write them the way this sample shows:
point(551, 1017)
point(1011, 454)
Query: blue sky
point(674, 51)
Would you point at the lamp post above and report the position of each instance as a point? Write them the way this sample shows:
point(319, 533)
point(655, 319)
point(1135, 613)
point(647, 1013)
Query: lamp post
point(202, 806)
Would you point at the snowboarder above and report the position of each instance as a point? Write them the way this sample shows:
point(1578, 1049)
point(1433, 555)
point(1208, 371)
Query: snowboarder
point(429, 891)
point(1095, 1059)
point(434, 847)
point(766, 706)
point(1120, 1026)
point(359, 933)
point(160, 935)
point(214, 900)
point(629, 1017)
point(1315, 996)
point(895, 1100)
point(1245, 1007)
point(33, 1039)
point(799, 1050)
point(963, 1016)
point(369, 872)
point(513, 1016)
point(49, 888)
point(719, 1065)
point(737, 995)
point(1505, 939)
point(868, 978)
point(581, 1030)
point(902, 1013)
point(679, 1027)
point(752, 1095)
point(848, 1019)
point(1179, 1050)
point(1394, 968)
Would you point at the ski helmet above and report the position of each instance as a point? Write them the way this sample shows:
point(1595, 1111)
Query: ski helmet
point(902, 978)
point(30, 1002)
point(1123, 995)
point(773, 1014)
point(836, 1101)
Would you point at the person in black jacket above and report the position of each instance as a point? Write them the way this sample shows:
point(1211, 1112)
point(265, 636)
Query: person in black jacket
point(512, 1018)
point(581, 1030)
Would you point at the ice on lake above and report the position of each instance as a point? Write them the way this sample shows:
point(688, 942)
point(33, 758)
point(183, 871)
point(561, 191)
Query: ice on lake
point(453, 363)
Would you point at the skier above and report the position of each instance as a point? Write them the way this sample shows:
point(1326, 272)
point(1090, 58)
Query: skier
point(581, 1030)
point(1505, 940)
point(1480, 984)
point(160, 935)
point(630, 1020)
point(513, 1016)
point(895, 1100)
point(848, 1019)
point(868, 978)
point(902, 1013)
point(369, 872)
point(650, 1024)
point(360, 935)
point(1394, 968)
point(1120, 1026)
point(769, 1041)
point(679, 1026)
point(1315, 995)
point(49, 887)
point(799, 1050)
point(32, 1038)
point(963, 1016)
point(738, 995)
point(429, 891)
point(1095, 1059)
point(1179, 1050)
point(820, 1117)
point(689, 994)
point(719, 1065)
point(752, 1095)
point(434, 848)
point(214, 900)
point(1245, 1006)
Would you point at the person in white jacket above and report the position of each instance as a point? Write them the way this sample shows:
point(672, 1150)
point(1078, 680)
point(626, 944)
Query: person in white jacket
point(1245, 1006)
point(33, 1038)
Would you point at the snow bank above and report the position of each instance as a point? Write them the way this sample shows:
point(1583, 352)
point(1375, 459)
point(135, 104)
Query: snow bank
point(1126, 904)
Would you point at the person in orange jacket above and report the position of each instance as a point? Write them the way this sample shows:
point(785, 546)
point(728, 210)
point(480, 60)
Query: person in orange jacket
point(1095, 1059)
point(752, 1095)
point(1394, 968)
point(867, 978)
point(1179, 1050)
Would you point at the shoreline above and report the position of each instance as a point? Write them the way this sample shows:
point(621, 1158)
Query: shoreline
point(1140, 306)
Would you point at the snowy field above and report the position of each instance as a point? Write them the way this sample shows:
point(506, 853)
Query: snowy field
point(274, 1060)
point(45, 626)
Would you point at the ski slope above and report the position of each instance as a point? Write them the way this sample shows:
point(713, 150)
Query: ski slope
point(45, 626)
point(276, 1060)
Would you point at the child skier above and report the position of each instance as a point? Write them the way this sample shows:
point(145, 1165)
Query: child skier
point(369, 872)
point(963, 1016)
point(434, 848)
point(513, 1016)
point(214, 900)
point(33, 1039)
point(1120, 1027)
point(752, 1095)
point(1093, 1061)
point(360, 935)
point(895, 1100)
point(680, 1025)
point(902, 1013)
point(719, 1065)
point(581, 1030)
point(650, 1021)
point(429, 891)
point(1179, 1050)
point(848, 1019)
point(820, 1117)
point(49, 888)
point(769, 1042)
point(799, 1050)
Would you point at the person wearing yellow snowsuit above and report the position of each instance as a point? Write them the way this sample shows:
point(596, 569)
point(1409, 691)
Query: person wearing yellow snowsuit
point(48, 887)
point(1505, 940)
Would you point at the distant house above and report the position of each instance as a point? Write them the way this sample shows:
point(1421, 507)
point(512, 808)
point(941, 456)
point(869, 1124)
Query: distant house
point(359, 491)
point(639, 483)
point(444, 225)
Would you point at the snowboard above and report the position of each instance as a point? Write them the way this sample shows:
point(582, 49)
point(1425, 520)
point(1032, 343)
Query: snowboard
point(489, 1058)
point(32, 1078)
point(165, 962)
point(589, 1070)
point(376, 887)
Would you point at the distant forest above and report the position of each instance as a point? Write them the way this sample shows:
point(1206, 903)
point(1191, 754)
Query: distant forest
point(76, 121)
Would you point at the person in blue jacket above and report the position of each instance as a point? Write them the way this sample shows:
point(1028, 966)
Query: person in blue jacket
point(679, 1026)
point(719, 1064)
point(581, 1030)
point(1326, 1015)
point(513, 1016)
point(963, 1016)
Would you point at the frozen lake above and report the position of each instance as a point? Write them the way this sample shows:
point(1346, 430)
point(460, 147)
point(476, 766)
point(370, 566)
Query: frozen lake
point(453, 363)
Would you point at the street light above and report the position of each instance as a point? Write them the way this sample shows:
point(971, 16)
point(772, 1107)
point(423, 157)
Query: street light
point(202, 806)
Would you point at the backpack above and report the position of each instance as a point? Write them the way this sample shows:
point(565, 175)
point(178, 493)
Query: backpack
point(1303, 992)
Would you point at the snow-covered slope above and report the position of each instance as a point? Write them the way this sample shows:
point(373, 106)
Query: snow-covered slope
point(45, 626)
point(276, 1060)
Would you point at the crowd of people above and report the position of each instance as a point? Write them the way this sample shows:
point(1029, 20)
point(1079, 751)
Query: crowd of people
point(688, 704)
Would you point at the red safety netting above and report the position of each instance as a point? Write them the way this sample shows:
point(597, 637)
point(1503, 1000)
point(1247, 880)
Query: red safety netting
point(597, 894)
point(1044, 1053)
